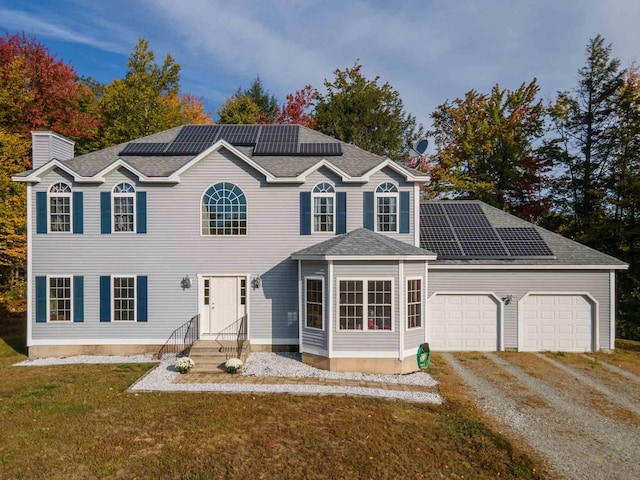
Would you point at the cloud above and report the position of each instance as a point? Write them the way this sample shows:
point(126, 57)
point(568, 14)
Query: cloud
point(54, 27)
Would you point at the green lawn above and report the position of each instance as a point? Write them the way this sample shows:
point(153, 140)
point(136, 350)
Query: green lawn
point(78, 422)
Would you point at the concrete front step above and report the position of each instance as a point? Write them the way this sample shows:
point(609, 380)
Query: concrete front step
point(210, 355)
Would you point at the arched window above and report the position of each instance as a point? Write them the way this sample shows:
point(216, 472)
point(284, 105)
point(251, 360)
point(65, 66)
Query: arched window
point(124, 196)
point(60, 207)
point(224, 210)
point(387, 207)
point(323, 195)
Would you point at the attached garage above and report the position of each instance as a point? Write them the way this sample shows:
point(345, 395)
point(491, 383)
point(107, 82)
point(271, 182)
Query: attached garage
point(556, 322)
point(463, 322)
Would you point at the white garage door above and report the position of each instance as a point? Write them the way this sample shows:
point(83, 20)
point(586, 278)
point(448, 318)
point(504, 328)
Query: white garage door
point(463, 322)
point(556, 322)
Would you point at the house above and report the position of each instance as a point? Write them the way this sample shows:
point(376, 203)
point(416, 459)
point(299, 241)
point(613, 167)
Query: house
point(298, 241)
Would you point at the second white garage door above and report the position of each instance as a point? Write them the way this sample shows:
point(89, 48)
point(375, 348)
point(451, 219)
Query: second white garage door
point(556, 322)
point(462, 322)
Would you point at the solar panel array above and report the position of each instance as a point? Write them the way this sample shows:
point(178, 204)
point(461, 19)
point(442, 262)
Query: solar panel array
point(266, 140)
point(462, 231)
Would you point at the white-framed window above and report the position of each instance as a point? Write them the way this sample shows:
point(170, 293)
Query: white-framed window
point(323, 200)
point(124, 208)
point(414, 303)
point(224, 210)
point(124, 298)
point(386, 207)
point(59, 299)
point(314, 304)
point(365, 304)
point(60, 208)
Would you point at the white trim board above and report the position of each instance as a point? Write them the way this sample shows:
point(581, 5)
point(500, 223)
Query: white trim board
point(435, 266)
point(99, 341)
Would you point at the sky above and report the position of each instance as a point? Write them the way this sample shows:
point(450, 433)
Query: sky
point(429, 51)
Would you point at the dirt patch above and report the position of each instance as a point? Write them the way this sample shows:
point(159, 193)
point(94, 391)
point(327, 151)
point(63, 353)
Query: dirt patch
point(576, 390)
point(577, 440)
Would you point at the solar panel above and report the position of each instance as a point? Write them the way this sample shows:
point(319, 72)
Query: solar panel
point(518, 233)
point(478, 234)
point(275, 148)
point(188, 148)
point(528, 249)
point(462, 209)
point(483, 249)
point(334, 148)
point(434, 221)
point(443, 249)
point(462, 230)
point(241, 135)
point(279, 134)
point(439, 234)
point(141, 148)
point(198, 134)
point(431, 209)
point(478, 221)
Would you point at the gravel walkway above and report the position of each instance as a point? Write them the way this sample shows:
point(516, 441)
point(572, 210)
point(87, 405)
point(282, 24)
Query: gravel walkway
point(579, 442)
point(162, 377)
point(614, 368)
point(95, 359)
point(290, 365)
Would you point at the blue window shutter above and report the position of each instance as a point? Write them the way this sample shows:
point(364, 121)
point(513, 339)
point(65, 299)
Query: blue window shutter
point(41, 212)
point(142, 302)
point(341, 208)
point(305, 213)
point(405, 201)
point(105, 299)
point(369, 213)
point(78, 213)
point(105, 212)
point(141, 212)
point(41, 299)
point(78, 299)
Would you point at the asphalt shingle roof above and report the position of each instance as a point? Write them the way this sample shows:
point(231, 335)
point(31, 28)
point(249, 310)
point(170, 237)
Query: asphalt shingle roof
point(362, 242)
point(566, 251)
point(354, 161)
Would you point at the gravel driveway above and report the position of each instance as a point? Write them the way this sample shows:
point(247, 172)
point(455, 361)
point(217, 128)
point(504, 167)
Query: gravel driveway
point(585, 428)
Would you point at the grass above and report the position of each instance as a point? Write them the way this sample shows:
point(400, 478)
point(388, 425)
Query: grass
point(77, 421)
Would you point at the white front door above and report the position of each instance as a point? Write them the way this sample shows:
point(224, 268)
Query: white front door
point(223, 303)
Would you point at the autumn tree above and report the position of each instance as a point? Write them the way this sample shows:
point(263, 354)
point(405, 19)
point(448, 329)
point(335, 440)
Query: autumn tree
point(39, 91)
point(147, 100)
point(584, 139)
point(14, 158)
point(298, 108)
point(487, 149)
point(361, 111)
point(239, 110)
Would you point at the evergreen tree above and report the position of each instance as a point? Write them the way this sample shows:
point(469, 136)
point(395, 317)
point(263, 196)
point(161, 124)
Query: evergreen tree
point(357, 110)
point(584, 122)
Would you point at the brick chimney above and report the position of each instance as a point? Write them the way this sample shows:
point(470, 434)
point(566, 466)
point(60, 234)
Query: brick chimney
point(49, 145)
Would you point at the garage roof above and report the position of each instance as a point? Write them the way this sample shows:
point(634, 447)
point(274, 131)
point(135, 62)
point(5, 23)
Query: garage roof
point(563, 251)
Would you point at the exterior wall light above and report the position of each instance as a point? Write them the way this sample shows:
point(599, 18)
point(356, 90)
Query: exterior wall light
point(185, 282)
point(508, 299)
point(257, 282)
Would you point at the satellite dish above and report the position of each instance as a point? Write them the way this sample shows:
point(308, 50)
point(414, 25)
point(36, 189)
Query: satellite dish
point(421, 146)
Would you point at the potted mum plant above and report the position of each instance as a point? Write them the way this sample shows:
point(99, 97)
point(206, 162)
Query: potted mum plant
point(233, 365)
point(184, 364)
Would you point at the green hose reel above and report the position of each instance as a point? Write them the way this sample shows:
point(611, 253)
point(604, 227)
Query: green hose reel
point(424, 356)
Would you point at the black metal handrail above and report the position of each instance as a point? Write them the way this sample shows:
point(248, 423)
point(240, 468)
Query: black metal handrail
point(237, 332)
point(181, 338)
